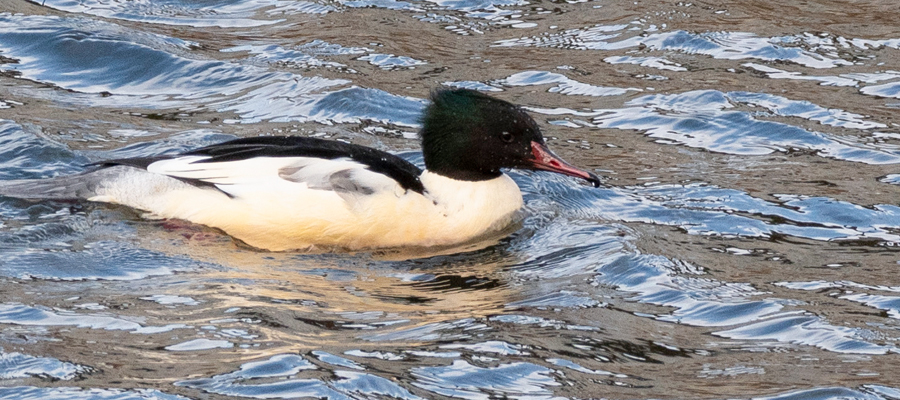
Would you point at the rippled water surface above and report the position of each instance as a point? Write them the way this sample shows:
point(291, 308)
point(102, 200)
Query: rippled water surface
point(744, 244)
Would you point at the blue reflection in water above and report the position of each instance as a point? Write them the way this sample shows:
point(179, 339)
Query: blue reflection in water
point(205, 13)
point(174, 143)
point(891, 89)
point(304, 56)
point(71, 393)
point(336, 360)
point(565, 85)
point(18, 366)
point(827, 393)
point(106, 260)
point(807, 50)
point(386, 4)
point(390, 61)
point(244, 13)
point(853, 291)
point(698, 300)
point(101, 60)
point(890, 304)
point(249, 381)
point(701, 119)
point(50, 245)
point(808, 330)
point(460, 379)
point(720, 45)
point(24, 156)
point(368, 385)
point(653, 280)
point(354, 103)
point(464, 380)
point(20, 314)
point(85, 61)
point(710, 210)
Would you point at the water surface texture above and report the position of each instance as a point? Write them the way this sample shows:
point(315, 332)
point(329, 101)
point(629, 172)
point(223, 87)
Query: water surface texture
point(744, 243)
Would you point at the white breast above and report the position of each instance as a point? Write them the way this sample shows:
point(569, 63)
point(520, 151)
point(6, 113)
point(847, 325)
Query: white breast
point(473, 208)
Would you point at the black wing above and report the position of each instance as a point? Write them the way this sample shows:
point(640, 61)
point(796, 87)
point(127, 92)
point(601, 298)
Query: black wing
point(405, 173)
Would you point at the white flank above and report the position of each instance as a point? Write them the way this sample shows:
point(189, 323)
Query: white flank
point(284, 203)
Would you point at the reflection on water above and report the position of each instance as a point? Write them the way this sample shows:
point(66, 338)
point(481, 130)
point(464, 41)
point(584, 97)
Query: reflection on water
point(805, 49)
point(17, 366)
point(743, 245)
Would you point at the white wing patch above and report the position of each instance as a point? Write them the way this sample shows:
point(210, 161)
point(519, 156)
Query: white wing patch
point(279, 175)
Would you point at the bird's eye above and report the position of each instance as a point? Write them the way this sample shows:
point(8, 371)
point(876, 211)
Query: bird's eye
point(506, 137)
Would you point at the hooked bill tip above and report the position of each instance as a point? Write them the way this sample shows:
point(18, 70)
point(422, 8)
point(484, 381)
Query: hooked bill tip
point(593, 179)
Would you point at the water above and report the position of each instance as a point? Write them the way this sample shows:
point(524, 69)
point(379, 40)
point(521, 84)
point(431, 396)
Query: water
point(744, 244)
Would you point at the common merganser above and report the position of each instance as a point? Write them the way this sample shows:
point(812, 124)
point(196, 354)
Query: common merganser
point(287, 193)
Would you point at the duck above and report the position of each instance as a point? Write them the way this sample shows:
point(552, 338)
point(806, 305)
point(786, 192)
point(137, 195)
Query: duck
point(281, 193)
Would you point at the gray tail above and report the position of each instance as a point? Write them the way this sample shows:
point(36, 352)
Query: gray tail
point(69, 187)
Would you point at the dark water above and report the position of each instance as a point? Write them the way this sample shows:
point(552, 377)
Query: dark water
point(744, 244)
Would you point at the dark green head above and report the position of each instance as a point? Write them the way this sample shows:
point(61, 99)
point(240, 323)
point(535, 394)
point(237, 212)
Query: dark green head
point(467, 135)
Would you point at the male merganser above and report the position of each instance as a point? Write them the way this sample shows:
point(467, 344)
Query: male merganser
point(286, 193)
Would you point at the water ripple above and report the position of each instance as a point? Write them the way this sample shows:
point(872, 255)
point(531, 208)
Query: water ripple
point(720, 45)
point(336, 360)
point(706, 302)
point(367, 385)
point(200, 344)
point(71, 393)
point(473, 5)
point(811, 331)
point(824, 80)
point(709, 210)
point(18, 366)
point(826, 393)
point(702, 119)
point(891, 89)
point(390, 61)
point(106, 260)
point(474, 85)
point(565, 85)
point(866, 80)
point(62, 42)
point(804, 109)
point(889, 304)
point(25, 156)
point(343, 106)
point(20, 314)
point(219, 13)
point(273, 54)
point(652, 279)
point(255, 380)
point(464, 380)
point(648, 62)
point(82, 62)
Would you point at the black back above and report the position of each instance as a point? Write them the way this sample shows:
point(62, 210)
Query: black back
point(402, 171)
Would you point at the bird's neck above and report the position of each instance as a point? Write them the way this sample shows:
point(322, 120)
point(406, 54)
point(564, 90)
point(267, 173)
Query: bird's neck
point(457, 168)
point(488, 199)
